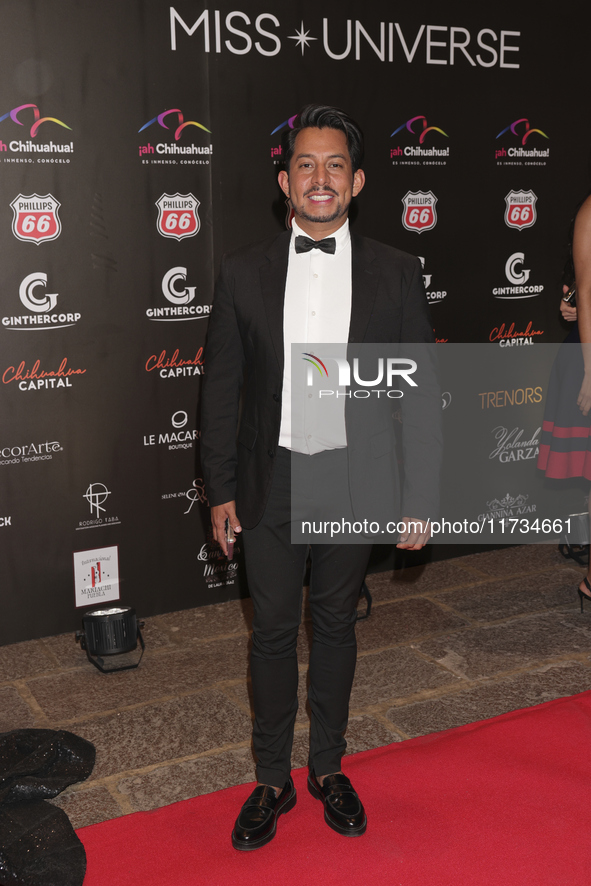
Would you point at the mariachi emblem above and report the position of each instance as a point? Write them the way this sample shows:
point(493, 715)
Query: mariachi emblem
point(419, 212)
point(177, 216)
point(520, 209)
point(36, 218)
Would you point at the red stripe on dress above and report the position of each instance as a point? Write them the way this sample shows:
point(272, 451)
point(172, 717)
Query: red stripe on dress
point(566, 433)
point(563, 465)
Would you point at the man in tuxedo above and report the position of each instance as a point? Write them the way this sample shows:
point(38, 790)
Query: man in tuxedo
point(315, 283)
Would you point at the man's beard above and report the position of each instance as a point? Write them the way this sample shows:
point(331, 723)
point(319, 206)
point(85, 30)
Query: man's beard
point(337, 213)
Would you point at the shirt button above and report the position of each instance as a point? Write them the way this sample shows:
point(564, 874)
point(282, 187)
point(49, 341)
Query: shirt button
point(271, 453)
point(309, 396)
point(316, 276)
point(276, 397)
point(313, 313)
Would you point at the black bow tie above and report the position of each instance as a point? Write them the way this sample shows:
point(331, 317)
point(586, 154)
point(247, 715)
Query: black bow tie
point(305, 244)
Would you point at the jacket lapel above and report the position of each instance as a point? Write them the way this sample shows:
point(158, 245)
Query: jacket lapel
point(365, 279)
point(273, 274)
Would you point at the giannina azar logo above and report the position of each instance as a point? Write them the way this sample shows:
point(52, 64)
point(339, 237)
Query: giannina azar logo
point(173, 122)
point(416, 154)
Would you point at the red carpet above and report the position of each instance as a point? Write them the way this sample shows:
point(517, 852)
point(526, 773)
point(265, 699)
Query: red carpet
point(505, 801)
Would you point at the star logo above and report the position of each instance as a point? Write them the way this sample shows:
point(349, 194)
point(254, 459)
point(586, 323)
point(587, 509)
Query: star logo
point(302, 39)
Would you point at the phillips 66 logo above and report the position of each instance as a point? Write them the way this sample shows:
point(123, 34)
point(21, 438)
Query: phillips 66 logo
point(36, 218)
point(419, 211)
point(177, 216)
point(520, 209)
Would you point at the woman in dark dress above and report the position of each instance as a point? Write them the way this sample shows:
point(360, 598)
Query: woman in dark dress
point(565, 449)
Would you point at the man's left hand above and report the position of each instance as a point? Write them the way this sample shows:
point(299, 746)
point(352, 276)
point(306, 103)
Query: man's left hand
point(416, 534)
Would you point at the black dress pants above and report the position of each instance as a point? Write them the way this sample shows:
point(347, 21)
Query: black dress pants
point(275, 570)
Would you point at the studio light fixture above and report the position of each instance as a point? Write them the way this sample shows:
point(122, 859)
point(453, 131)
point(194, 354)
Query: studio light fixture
point(110, 631)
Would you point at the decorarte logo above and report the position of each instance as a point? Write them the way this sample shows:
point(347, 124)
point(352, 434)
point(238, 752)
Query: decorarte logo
point(177, 216)
point(174, 123)
point(520, 209)
point(419, 213)
point(524, 154)
point(25, 452)
point(35, 218)
point(416, 155)
point(41, 307)
point(16, 146)
point(37, 379)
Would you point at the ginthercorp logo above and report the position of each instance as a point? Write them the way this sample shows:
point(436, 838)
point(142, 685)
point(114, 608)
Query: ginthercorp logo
point(177, 216)
point(42, 306)
point(413, 154)
point(28, 147)
point(520, 209)
point(434, 296)
point(173, 122)
point(35, 218)
point(518, 276)
point(387, 371)
point(181, 297)
point(419, 213)
point(521, 150)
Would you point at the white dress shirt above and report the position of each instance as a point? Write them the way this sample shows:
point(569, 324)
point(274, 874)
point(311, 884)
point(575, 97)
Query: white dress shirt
point(317, 310)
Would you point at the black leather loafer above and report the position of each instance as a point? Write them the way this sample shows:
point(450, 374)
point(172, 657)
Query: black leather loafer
point(257, 822)
point(343, 810)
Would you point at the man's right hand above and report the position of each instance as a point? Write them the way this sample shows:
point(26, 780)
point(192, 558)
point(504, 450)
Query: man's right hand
point(219, 515)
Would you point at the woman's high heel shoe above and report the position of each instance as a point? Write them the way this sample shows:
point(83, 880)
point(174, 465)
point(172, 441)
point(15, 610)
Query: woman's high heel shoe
point(582, 594)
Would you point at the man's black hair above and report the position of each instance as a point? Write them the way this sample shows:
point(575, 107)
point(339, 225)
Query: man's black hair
point(324, 117)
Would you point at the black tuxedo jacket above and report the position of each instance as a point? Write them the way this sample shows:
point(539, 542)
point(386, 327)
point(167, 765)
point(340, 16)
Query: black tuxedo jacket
point(243, 378)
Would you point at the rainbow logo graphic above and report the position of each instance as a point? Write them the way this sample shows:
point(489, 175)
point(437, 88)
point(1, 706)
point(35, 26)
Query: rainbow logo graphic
point(526, 133)
point(37, 121)
point(316, 362)
point(409, 125)
point(288, 122)
point(181, 123)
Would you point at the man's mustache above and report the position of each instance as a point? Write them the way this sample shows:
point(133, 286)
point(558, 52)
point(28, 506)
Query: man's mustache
point(321, 190)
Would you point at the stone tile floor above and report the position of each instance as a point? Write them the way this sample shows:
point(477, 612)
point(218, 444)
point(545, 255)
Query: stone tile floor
point(447, 643)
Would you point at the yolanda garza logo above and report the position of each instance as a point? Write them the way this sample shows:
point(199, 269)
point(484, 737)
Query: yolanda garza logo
point(173, 122)
point(509, 336)
point(395, 368)
point(524, 153)
point(30, 147)
point(35, 218)
point(509, 447)
point(518, 276)
point(177, 216)
point(180, 437)
point(97, 496)
point(520, 209)
point(26, 452)
point(434, 297)
point(175, 366)
point(416, 155)
point(37, 379)
point(419, 213)
point(234, 32)
point(180, 297)
point(41, 307)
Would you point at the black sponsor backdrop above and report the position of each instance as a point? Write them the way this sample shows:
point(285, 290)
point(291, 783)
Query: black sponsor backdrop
point(107, 70)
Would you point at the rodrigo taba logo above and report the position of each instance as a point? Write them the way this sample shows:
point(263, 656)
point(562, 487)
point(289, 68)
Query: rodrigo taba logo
point(173, 122)
point(415, 154)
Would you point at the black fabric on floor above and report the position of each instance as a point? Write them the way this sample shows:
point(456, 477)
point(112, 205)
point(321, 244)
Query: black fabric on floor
point(38, 845)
